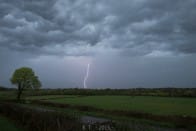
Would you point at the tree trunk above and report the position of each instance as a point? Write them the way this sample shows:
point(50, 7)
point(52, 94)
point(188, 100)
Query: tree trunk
point(19, 91)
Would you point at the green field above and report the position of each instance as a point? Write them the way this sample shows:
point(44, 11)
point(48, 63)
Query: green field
point(6, 125)
point(115, 107)
point(46, 97)
point(146, 104)
point(7, 95)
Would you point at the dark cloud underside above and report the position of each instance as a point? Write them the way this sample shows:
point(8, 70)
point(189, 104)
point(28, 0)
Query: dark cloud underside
point(85, 27)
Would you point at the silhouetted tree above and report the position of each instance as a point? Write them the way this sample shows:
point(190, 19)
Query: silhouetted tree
point(25, 78)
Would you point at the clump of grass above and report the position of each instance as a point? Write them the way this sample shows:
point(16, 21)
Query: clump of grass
point(7, 125)
point(39, 120)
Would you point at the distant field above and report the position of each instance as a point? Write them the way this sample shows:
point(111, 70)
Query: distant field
point(147, 104)
point(6, 125)
point(7, 94)
point(50, 97)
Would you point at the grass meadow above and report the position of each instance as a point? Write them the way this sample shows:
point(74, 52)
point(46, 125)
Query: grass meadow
point(147, 104)
point(173, 111)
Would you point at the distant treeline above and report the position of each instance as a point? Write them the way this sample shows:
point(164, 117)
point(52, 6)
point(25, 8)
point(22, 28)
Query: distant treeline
point(5, 88)
point(171, 92)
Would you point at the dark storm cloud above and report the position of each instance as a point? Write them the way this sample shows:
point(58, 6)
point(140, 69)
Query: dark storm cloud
point(81, 27)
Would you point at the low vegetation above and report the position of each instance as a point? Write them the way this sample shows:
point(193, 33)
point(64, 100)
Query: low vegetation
point(174, 106)
point(38, 119)
point(7, 125)
point(165, 92)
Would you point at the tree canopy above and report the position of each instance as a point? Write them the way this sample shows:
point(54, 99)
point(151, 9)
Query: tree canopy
point(25, 78)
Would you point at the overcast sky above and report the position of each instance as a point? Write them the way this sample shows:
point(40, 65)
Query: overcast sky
point(128, 43)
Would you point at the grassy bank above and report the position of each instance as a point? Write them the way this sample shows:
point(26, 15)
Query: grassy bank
point(7, 125)
point(39, 119)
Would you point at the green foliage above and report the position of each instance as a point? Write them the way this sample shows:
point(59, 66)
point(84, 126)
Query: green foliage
point(25, 78)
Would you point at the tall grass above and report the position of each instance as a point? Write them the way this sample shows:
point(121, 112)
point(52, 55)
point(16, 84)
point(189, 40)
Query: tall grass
point(7, 125)
point(36, 120)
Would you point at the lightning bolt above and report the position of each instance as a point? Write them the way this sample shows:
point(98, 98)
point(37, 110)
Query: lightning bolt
point(86, 76)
